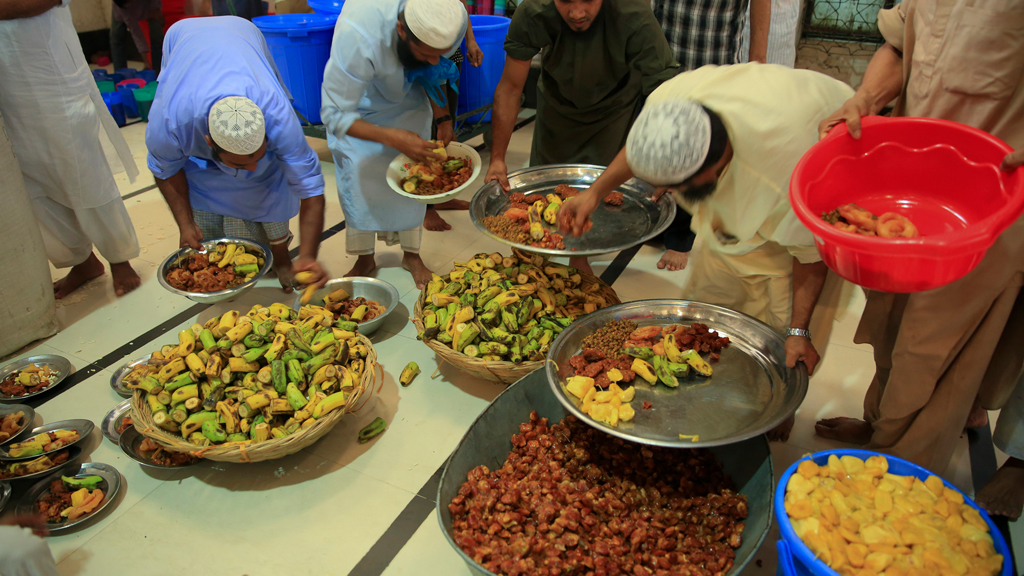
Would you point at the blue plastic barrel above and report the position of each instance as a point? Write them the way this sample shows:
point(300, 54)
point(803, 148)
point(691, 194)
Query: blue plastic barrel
point(796, 559)
point(477, 85)
point(148, 75)
point(115, 106)
point(301, 46)
point(131, 109)
point(328, 7)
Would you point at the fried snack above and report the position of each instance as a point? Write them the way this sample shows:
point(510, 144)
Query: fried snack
point(861, 520)
point(856, 220)
point(10, 425)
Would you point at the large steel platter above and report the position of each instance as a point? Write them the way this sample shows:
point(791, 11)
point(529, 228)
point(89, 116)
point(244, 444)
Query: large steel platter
point(749, 392)
point(616, 228)
point(488, 442)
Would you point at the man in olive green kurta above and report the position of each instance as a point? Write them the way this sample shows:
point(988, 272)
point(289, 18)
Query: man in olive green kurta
point(600, 59)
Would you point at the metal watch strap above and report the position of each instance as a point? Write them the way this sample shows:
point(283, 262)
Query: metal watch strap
point(799, 332)
point(445, 118)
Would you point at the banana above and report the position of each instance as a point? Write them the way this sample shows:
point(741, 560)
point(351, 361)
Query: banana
point(329, 404)
point(186, 342)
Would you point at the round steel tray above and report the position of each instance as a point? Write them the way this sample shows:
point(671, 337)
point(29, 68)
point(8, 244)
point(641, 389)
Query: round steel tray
point(178, 256)
point(111, 485)
point(58, 363)
point(28, 417)
point(83, 427)
point(116, 380)
point(113, 419)
point(489, 442)
point(749, 392)
point(615, 227)
point(130, 443)
point(74, 452)
point(379, 291)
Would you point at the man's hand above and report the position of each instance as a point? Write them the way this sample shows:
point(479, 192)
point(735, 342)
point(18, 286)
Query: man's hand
point(800, 349)
point(473, 53)
point(498, 171)
point(446, 132)
point(1013, 160)
point(659, 192)
point(32, 521)
point(307, 264)
point(852, 111)
point(191, 237)
point(575, 213)
point(410, 144)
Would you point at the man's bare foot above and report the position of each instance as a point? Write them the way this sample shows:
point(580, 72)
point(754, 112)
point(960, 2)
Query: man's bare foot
point(125, 278)
point(849, 430)
point(414, 264)
point(781, 432)
point(978, 418)
point(452, 205)
point(433, 222)
point(79, 275)
point(673, 260)
point(365, 265)
point(1004, 493)
point(581, 264)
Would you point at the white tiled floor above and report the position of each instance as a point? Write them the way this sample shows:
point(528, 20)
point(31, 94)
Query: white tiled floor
point(320, 511)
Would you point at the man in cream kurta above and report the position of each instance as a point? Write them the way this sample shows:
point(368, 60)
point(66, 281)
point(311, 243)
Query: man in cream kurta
point(939, 352)
point(727, 139)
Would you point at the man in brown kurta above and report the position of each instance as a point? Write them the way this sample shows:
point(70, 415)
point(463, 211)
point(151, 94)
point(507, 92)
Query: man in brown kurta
point(940, 352)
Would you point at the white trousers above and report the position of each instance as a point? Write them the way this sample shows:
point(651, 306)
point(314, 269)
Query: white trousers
point(69, 235)
point(22, 553)
point(361, 242)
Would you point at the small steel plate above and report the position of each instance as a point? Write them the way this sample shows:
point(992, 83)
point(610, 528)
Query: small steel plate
point(5, 495)
point(73, 453)
point(113, 419)
point(111, 485)
point(116, 380)
point(749, 392)
point(29, 416)
point(130, 442)
point(83, 427)
point(58, 363)
point(616, 228)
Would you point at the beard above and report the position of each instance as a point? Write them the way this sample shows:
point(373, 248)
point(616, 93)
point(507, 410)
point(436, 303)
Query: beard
point(407, 58)
point(695, 194)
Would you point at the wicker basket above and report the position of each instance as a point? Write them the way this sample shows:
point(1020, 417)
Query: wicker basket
point(272, 449)
point(501, 372)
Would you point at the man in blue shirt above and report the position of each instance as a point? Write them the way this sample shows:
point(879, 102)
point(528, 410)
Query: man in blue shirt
point(226, 149)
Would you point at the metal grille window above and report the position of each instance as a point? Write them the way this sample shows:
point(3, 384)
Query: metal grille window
point(849, 20)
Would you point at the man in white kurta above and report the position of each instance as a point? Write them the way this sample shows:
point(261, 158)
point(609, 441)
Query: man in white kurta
point(373, 112)
point(61, 129)
point(725, 139)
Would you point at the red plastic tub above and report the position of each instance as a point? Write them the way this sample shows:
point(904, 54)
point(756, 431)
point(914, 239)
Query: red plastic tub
point(942, 175)
point(132, 83)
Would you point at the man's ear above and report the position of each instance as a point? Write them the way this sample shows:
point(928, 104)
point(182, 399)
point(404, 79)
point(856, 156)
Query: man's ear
point(209, 141)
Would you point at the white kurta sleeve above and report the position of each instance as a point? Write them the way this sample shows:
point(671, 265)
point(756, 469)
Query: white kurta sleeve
point(348, 74)
point(796, 238)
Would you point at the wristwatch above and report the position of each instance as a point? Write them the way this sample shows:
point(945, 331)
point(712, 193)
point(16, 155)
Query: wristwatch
point(799, 332)
point(445, 118)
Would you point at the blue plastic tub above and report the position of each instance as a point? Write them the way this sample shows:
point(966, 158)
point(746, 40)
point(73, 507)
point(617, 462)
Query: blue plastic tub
point(147, 75)
point(131, 109)
point(126, 72)
point(328, 7)
point(301, 46)
point(115, 106)
point(115, 78)
point(99, 74)
point(796, 559)
point(477, 85)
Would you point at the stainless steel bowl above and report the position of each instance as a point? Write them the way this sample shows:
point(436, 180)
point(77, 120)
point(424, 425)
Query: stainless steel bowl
point(58, 363)
point(360, 287)
point(488, 442)
point(175, 259)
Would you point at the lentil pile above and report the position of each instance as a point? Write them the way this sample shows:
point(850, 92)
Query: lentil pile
point(507, 228)
point(610, 337)
point(571, 500)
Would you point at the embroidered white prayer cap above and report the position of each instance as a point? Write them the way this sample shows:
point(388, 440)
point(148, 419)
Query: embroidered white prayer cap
point(669, 141)
point(436, 23)
point(237, 125)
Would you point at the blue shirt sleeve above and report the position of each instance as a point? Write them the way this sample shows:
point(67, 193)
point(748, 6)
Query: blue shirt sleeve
point(166, 154)
point(300, 164)
point(348, 74)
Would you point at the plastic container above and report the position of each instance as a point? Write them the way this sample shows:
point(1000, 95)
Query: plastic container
point(115, 77)
point(301, 46)
point(942, 175)
point(127, 72)
point(144, 100)
point(796, 559)
point(105, 86)
point(147, 75)
point(99, 74)
point(131, 109)
point(326, 7)
point(477, 85)
point(132, 83)
point(116, 107)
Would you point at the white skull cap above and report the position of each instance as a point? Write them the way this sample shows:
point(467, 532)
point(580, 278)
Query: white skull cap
point(237, 125)
point(669, 141)
point(436, 23)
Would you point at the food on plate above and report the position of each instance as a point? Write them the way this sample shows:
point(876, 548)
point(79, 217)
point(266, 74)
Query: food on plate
point(161, 457)
point(572, 500)
point(619, 352)
point(42, 443)
point(358, 310)
point(28, 380)
point(70, 498)
point(614, 199)
point(860, 519)
point(245, 379)
point(10, 425)
point(507, 228)
point(43, 463)
point(126, 423)
point(852, 218)
point(608, 406)
point(436, 177)
point(531, 220)
point(506, 308)
point(225, 266)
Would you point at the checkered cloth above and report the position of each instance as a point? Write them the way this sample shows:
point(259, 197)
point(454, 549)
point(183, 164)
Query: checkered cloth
point(216, 226)
point(702, 32)
point(457, 57)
